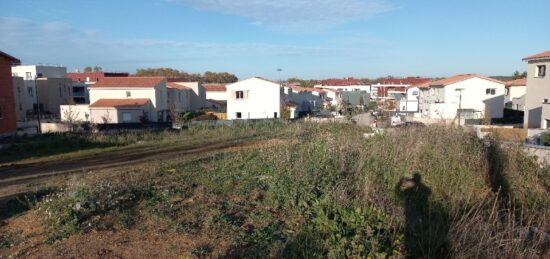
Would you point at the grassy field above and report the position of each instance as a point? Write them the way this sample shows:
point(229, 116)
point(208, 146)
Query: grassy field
point(57, 147)
point(307, 191)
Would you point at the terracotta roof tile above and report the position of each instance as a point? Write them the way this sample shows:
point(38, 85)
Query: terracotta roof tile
point(542, 55)
point(119, 103)
point(460, 78)
point(129, 82)
point(214, 87)
point(402, 81)
point(341, 82)
point(517, 82)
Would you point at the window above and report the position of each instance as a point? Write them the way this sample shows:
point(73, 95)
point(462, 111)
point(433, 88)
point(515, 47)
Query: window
point(30, 91)
point(78, 79)
point(490, 91)
point(28, 76)
point(275, 115)
point(238, 115)
point(415, 93)
point(60, 95)
point(87, 79)
point(1, 113)
point(544, 101)
point(128, 94)
point(547, 124)
point(239, 95)
point(18, 90)
point(126, 117)
point(541, 71)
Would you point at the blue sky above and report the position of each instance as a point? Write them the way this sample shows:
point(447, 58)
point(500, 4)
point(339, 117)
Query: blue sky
point(306, 38)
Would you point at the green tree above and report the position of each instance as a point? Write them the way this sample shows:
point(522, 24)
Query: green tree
point(220, 78)
point(97, 68)
point(88, 69)
point(518, 75)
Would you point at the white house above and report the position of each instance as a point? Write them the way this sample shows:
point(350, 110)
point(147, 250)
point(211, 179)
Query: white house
point(215, 92)
point(129, 93)
point(334, 97)
point(409, 102)
point(476, 96)
point(254, 98)
point(514, 97)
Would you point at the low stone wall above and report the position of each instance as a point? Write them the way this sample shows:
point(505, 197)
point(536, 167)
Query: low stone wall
point(54, 127)
point(541, 152)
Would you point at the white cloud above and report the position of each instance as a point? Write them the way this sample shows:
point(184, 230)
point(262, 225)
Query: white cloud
point(61, 43)
point(295, 15)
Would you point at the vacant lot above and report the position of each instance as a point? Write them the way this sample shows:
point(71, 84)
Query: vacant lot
point(300, 190)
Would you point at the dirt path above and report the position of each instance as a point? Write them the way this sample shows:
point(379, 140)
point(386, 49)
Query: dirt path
point(32, 174)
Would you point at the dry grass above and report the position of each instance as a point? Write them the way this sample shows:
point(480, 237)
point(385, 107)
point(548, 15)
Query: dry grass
point(315, 191)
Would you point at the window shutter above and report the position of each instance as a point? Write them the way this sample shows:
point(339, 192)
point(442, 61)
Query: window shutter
point(234, 95)
point(245, 94)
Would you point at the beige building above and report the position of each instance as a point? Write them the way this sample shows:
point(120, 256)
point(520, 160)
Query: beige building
point(53, 92)
point(114, 90)
point(44, 86)
point(537, 98)
point(179, 97)
point(514, 95)
point(114, 111)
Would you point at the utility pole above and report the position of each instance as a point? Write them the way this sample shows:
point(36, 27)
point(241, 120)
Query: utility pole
point(280, 79)
point(459, 103)
point(39, 128)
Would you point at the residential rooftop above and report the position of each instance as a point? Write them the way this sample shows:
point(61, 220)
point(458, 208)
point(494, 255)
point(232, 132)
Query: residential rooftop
point(543, 55)
point(129, 82)
point(119, 103)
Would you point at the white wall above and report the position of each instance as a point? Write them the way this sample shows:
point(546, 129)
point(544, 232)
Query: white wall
point(262, 99)
point(410, 102)
point(443, 102)
point(157, 95)
point(474, 96)
point(46, 71)
point(216, 95)
point(80, 113)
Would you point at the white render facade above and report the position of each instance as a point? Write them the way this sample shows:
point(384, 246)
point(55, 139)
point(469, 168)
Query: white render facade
point(216, 95)
point(158, 96)
point(254, 98)
point(409, 103)
point(484, 98)
point(515, 97)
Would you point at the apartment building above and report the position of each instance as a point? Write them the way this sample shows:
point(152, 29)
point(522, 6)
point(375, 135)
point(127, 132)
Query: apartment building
point(8, 117)
point(537, 96)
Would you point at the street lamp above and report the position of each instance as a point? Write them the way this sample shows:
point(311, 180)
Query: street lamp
point(37, 77)
point(459, 90)
point(280, 79)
